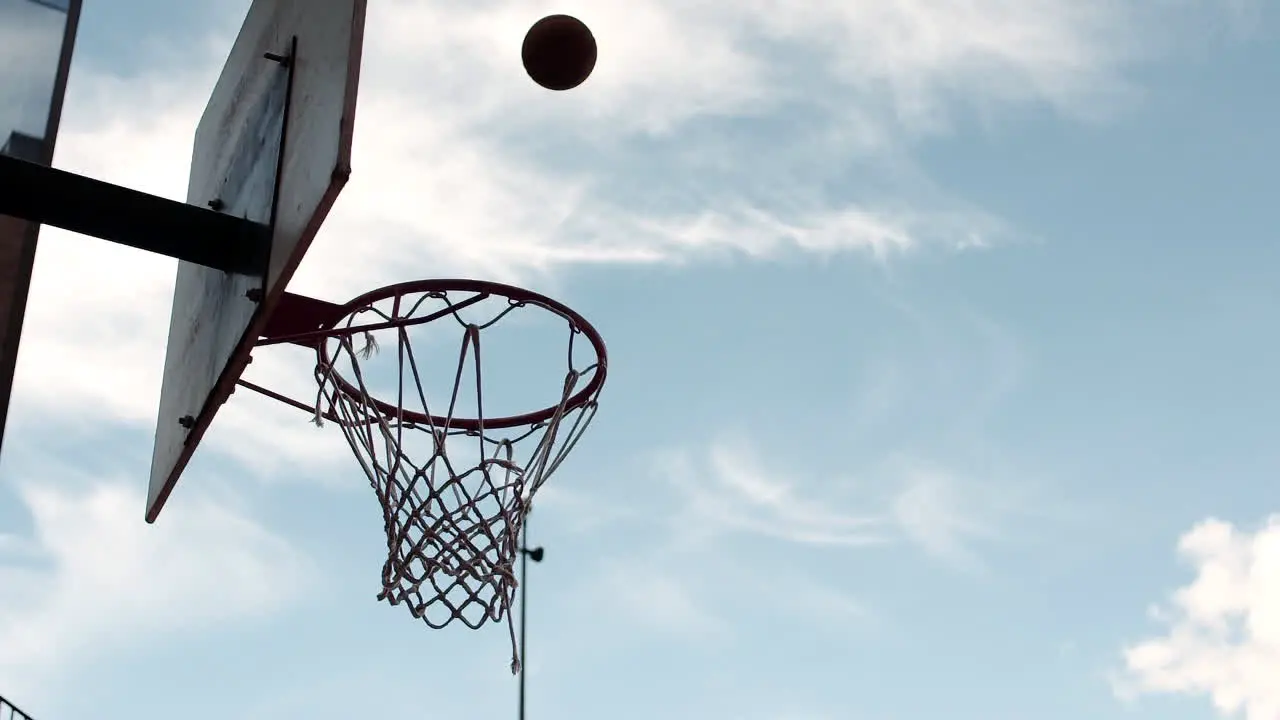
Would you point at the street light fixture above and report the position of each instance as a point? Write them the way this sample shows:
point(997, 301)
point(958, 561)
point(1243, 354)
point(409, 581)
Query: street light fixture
point(525, 554)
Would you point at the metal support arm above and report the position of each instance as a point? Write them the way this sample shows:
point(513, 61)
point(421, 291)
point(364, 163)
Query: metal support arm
point(83, 205)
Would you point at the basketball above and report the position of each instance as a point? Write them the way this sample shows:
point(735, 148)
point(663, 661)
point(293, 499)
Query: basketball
point(559, 52)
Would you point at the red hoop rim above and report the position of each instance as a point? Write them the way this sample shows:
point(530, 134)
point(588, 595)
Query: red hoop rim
point(510, 292)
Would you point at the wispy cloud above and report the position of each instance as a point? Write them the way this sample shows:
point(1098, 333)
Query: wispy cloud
point(683, 579)
point(671, 154)
point(948, 515)
point(71, 592)
point(943, 515)
point(756, 129)
point(731, 491)
point(913, 57)
point(700, 594)
point(921, 466)
point(584, 511)
point(1221, 634)
point(660, 599)
point(799, 595)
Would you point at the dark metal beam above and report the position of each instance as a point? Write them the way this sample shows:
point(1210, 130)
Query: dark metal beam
point(49, 196)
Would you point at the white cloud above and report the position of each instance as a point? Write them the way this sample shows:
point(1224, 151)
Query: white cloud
point(682, 583)
point(903, 60)
point(1221, 636)
point(659, 600)
point(660, 64)
point(946, 515)
point(462, 166)
point(72, 591)
point(692, 593)
point(584, 510)
point(732, 491)
point(796, 594)
point(918, 57)
point(98, 314)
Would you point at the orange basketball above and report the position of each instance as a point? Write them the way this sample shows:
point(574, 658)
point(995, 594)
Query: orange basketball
point(559, 52)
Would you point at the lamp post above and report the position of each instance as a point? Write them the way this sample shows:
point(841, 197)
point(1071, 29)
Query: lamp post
point(525, 554)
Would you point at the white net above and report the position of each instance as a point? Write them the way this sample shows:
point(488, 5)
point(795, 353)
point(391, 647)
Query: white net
point(454, 490)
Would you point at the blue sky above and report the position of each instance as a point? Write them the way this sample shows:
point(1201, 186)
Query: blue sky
point(942, 373)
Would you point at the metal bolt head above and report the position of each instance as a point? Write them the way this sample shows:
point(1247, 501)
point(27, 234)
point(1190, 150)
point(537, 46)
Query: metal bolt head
point(187, 421)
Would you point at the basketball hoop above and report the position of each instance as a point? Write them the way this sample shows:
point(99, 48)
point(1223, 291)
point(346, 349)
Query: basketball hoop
point(454, 487)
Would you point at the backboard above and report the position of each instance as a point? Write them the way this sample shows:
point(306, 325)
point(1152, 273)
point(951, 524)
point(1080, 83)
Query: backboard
point(273, 146)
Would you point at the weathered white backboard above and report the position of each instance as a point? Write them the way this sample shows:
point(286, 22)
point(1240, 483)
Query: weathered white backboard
point(273, 146)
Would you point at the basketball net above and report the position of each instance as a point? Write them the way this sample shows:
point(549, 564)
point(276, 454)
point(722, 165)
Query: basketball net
point(454, 493)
